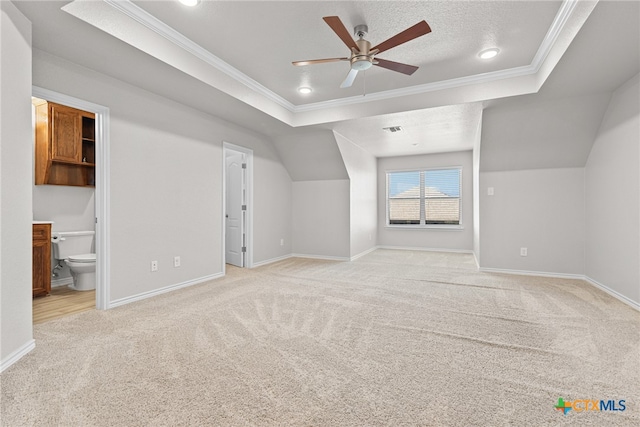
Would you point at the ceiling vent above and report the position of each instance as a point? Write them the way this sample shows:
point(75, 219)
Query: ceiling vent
point(393, 129)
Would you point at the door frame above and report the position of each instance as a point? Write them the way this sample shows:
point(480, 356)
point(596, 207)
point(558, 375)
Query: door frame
point(102, 202)
point(248, 226)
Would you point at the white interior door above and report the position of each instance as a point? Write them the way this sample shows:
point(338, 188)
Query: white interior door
point(234, 216)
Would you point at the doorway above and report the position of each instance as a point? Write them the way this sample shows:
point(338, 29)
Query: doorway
point(101, 177)
point(237, 205)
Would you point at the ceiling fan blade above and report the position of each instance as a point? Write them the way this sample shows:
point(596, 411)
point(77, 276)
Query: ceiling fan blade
point(338, 27)
point(420, 29)
point(396, 66)
point(350, 78)
point(318, 61)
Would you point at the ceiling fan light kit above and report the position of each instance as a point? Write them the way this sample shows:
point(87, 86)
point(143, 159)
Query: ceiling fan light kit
point(363, 55)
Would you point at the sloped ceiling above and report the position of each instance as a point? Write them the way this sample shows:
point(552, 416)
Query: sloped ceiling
point(557, 133)
point(311, 155)
point(557, 126)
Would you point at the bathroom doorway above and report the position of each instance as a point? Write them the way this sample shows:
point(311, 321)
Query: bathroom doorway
point(81, 205)
point(237, 206)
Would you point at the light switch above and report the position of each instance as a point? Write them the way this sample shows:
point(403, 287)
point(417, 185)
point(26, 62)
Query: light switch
point(490, 191)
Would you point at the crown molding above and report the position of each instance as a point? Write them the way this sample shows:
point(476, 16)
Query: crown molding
point(144, 18)
point(154, 24)
point(565, 11)
point(420, 89)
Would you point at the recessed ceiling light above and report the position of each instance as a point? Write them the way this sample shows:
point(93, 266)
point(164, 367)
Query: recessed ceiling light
point(305, 90)
point(189, 2)
point(489, 53)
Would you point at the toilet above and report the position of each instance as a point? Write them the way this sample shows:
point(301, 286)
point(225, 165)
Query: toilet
point(75, 248)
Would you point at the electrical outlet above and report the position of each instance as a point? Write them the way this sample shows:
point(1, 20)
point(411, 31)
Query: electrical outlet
point(281, 242)
point(523, 251)
point(176, 261)
point(154, 265)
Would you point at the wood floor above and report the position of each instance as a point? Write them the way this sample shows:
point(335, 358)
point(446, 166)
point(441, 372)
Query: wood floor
point(62, 302)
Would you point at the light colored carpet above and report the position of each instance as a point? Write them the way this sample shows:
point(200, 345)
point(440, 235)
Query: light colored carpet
point(395, 338)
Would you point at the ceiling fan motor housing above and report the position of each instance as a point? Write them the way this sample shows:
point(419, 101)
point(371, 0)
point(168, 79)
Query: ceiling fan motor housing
point(361, 60)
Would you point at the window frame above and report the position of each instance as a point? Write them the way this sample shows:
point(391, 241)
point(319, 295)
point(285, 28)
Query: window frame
point(423, 225)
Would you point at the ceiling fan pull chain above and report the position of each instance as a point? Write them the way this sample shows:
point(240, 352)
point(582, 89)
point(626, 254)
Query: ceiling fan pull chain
point(364, 83)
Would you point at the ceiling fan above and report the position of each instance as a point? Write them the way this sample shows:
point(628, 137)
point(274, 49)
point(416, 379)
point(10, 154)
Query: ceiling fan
point(363, 55)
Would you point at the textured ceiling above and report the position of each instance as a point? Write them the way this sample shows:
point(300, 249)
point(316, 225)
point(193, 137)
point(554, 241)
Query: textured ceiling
point(433, 130)
point(262, 39)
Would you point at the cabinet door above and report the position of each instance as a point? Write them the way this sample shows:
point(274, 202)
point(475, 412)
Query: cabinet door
point(66, 134)
point(41, 281)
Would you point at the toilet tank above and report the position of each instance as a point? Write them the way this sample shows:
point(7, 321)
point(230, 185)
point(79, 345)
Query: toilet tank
point(68, 243)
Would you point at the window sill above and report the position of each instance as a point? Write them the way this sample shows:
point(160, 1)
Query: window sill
point(427, 227)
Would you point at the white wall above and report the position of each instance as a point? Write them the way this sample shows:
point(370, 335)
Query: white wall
point(613, 196)
point(166, 182)
point(428, 238)
point(272, 198)
point(542, 210)
point(321, 218)
point(15, 186)
point(362, 169)
point(71, 208)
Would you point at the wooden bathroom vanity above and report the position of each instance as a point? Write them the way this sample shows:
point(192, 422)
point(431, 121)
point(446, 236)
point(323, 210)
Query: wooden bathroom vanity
point(41, 281)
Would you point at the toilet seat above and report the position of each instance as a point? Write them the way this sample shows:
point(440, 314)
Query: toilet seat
point(83, 258)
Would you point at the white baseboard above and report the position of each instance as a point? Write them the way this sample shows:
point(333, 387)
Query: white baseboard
point(17, 355)
point(311, 256)
point(355, 257)
point(63, 281)
point(153, 293)
point(271, 260)
point(411, 248)
point(323, 257)
point(615, 294)
point(628, 301)
point(532, 273)
point(361, 254)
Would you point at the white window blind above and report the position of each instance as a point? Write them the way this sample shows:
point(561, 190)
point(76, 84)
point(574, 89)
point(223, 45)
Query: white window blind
point(404, 197)
point(424, 197)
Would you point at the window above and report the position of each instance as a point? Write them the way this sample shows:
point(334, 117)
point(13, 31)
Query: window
point(428, 197)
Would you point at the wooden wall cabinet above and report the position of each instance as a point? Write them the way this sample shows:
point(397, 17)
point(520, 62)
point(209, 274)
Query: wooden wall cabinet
point(65, 145)
point(41, 281)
